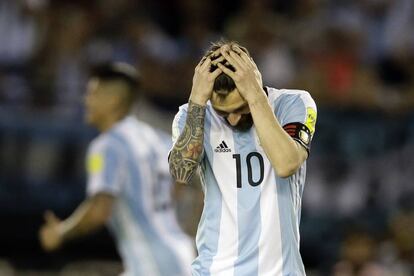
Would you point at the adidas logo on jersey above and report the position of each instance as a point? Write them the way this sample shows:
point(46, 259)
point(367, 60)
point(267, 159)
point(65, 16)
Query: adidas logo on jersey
point(222, 147)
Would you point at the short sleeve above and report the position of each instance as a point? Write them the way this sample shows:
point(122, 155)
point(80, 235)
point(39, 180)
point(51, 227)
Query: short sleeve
point(297, 113)
point(105, 165)
point(179, 123)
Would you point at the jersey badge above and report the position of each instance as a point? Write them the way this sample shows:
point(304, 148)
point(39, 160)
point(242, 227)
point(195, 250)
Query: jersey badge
point(222, 147)
point(311, 119)
point(95, 163)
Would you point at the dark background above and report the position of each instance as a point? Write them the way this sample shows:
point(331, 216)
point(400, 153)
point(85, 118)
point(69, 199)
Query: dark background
point(356, 58)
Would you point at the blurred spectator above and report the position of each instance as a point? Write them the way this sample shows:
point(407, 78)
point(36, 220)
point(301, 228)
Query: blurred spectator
point(356, 58)
point(398, 252)
point(262, 32)
point(358, 254)
point(334, 72)
point(22, 30)
point(64, 59)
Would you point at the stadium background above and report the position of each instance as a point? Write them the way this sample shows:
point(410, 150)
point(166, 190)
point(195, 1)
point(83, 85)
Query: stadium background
point(355, 57)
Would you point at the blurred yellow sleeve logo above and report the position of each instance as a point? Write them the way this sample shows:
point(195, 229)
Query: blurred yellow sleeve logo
point(311, 119)
point(95, 163)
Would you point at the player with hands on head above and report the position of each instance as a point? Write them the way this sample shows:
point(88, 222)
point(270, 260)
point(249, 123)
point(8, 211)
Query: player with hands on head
point(249, 143)
point(285, 154)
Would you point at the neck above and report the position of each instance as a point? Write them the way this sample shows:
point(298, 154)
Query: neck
point(110, 120)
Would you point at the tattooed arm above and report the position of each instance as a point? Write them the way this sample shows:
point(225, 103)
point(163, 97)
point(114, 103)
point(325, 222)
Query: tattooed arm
point(188, 151)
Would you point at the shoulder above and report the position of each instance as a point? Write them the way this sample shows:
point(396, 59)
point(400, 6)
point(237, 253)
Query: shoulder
point(182, 109)
point(148, 135)
point(100, 143)
point(290, 96)
point(113, 137)
point(181, 114)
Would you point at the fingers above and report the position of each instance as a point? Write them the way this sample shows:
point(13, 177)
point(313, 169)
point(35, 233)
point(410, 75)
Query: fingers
point(210, 56)
point(227, 71)
point(200, 63)
point(246, 58)
point(242, 54)
point(206, 64)
point(216, 73)
point(215, 54)
point(218, 60)
point(232, 59)
point(50, 217)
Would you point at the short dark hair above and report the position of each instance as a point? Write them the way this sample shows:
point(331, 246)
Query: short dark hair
point(223, 84)
point(117, 71)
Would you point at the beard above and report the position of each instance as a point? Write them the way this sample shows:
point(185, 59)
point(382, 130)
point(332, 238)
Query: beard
point(244, 124)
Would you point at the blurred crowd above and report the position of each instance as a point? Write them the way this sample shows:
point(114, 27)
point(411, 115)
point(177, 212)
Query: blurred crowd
point(355, 57)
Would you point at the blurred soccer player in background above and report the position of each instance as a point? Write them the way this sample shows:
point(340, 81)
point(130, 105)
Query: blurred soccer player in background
point(129, 186)
point(251, 143)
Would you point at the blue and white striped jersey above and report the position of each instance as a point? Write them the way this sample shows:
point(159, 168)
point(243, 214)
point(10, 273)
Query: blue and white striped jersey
point(250, 220)
point(130, 162)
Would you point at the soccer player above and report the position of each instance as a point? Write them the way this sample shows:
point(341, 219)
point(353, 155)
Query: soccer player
point(128, 183)
point(250, 143)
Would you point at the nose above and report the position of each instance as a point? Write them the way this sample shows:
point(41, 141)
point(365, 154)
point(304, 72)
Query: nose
point(233, 118)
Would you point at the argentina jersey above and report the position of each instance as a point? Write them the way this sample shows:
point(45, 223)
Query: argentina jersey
point(130, 162)
point(250, 221)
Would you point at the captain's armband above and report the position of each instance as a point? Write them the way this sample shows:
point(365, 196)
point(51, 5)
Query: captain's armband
point(299, 132)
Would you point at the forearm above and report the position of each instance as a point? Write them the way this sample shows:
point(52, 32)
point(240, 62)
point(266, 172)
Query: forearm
point(82, 222)
point(188, 151)
point(283, 152)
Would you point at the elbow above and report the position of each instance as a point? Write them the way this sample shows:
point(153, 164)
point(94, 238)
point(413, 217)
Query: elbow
point(288, 169)
point(99, 217)
point(285, 173)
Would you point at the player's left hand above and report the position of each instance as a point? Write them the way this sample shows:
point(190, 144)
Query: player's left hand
point(247, 77)
point(50, 235)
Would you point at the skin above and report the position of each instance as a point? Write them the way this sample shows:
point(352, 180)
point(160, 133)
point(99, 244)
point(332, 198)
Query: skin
point(285, 154)
point(90, 216)
point(105, 104)
point(232, 107)
point(187, 152)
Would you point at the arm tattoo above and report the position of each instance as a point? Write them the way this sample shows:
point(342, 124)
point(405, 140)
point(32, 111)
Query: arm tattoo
point(187, 152)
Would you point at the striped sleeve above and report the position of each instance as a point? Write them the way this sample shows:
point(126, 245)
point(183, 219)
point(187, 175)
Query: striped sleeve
point(297, 114)
point(179, 122)
point(105, 165)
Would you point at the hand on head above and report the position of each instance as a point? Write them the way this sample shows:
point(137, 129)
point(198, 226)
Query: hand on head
point(246, 75)
point(203, 80)
point(233, 61)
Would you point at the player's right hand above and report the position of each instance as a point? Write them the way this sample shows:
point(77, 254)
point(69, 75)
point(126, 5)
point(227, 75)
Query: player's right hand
point(50, 235)
point(203, 82)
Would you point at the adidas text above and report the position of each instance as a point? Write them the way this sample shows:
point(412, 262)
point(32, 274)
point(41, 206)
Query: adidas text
point(222, 147)
point(222, 150)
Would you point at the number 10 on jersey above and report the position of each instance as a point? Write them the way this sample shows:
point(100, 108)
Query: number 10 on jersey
point(249, 158)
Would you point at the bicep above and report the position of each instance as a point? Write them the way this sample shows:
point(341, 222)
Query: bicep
point(100, 206)
point(297, 114)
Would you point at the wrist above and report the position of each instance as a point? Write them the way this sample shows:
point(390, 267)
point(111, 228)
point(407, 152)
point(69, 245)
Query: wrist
point(62, 230)
point(198, 100)
point(257, 98)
